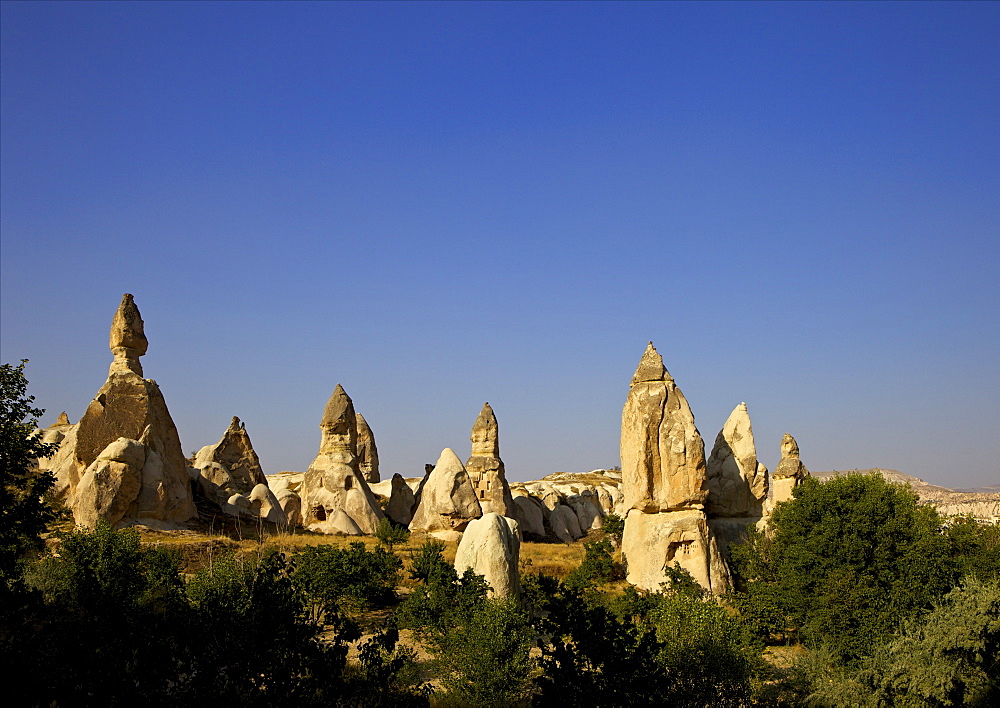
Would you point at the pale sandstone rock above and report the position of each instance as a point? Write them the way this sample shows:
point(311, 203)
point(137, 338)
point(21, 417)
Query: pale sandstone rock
point(789, 473)
point(401, 501)
point(333, 481)
point(663, 455)
point(367, 451)
point(737, 481)
point(587, 514)
point(237, 505)
point(491, 547)
point(652, 542)
point(285, 480)
point(128, 406)
point(231, 466)
point(290, 504)
point(110, 485)
point(446, 500)
point(264, 505)
point(339, 524)
point(485, 468)
point(530, 516)
point(564, 524)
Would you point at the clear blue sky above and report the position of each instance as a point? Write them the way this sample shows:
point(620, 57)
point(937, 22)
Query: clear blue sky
point(438, 205)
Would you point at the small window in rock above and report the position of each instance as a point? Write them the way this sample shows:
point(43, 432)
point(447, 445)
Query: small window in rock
point(348, 482)
point(320, 513)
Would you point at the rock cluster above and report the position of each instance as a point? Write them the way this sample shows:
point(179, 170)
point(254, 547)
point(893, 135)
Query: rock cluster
point(229, 474)
point(334, 483)
point(121, 482)
point(565, 506)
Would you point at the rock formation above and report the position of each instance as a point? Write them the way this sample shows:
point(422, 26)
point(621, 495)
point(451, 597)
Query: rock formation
point(131, 407)
point(401, 501)
point(491, 547)
point(111, 484)
point(485, 468)
point(367, 452)
point(664, 483)
point(531, 515)
point(446, 499)
point(663, 455)
point(789, 473)
point(231, 466)
point(737, 482)
point(333, 481)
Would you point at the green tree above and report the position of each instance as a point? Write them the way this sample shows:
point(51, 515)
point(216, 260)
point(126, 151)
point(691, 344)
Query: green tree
point(975, 547)
point(848, 559)
point(23, 514)
point(597, 566)
point(329, 575)
point(390, 534)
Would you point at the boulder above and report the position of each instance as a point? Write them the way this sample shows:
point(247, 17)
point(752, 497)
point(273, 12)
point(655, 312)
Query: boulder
point(485, 468)
point(446, 499)
point(737, 481)
point(367, 452)
point(491, 547)
point(339, 524)
point(588, 515)
point(530, 516)
point(333, 481)
point(237, 505)
point(285, 480)
point(264, 505)
point(290, 504)
point(401, 501)
point(663, 455)
point(110, 485)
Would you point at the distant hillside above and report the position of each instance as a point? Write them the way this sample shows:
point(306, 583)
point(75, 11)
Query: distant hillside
point(983, 503)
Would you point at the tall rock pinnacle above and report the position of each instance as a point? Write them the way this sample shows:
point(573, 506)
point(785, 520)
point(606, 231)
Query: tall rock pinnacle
point(367, 451)
point(128, 340)
point(737, 482)
point(486, 469)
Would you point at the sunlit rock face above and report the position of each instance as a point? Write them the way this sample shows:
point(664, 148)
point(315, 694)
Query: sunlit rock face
point(446, 501)
point(491, 547)
point(334, 481)
point(664, 484)
point(130, 407)
point(367, 451)
point(789, 473)
point(485, 468)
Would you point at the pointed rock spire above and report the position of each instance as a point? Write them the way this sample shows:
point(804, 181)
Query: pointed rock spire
point(128, 340)
point(367, 451)
point(486, 469)
point(651, 367)
point(446, 499)
point(737, 481)
point(63, 419)
point(485, 435)
point(790, 471)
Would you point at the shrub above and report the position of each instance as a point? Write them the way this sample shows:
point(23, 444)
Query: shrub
point(390, 534)
point(328, 575)
point(597, 566)
point(614, 526)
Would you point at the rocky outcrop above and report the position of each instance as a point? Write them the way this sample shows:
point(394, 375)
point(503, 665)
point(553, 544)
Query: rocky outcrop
point(663, 455)
point(128, 406)
point(367, 452)
point(531, 515)
point(401, 501)
point(111, 484)
point(491, 547)
point(333, 481)
point(485, 468)
point(446, 499)
point(664, 484)
point(788, 474)
point(737, 481)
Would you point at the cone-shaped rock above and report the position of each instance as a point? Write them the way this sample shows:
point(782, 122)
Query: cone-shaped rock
point(401, 501)
point(491, 547)
point(485, 467)
point(663, 455)
point(333, 481)
point(230, 466)
point(367, 452)
point(789, 473)
point(446, 499)
point(128, 406)
point(737, 482)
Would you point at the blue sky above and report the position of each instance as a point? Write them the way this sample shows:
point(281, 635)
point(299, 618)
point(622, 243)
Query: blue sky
point(438, 205)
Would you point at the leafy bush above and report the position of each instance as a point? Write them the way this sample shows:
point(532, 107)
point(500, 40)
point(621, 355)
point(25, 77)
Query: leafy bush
point(597, 566)
point(390, 534)
point(614, 526)
point(975, 546)
point(328, 575)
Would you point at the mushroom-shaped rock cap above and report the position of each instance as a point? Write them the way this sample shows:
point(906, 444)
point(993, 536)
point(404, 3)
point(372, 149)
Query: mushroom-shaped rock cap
point(789, 448)
point(338, 416)
point(127, 328)
point(651, 367)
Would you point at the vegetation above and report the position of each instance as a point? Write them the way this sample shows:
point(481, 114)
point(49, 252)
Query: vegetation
point(390, 534)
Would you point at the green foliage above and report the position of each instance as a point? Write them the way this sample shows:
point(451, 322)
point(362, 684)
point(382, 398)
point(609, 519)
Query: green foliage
point(390, 534)
point(597, 566)
point(614, 526)
point(975, 546)
point(950, 657)
point(846, 561)
point(23, 514)
point(389, 674)
point(329, 575)
point(443, 598)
